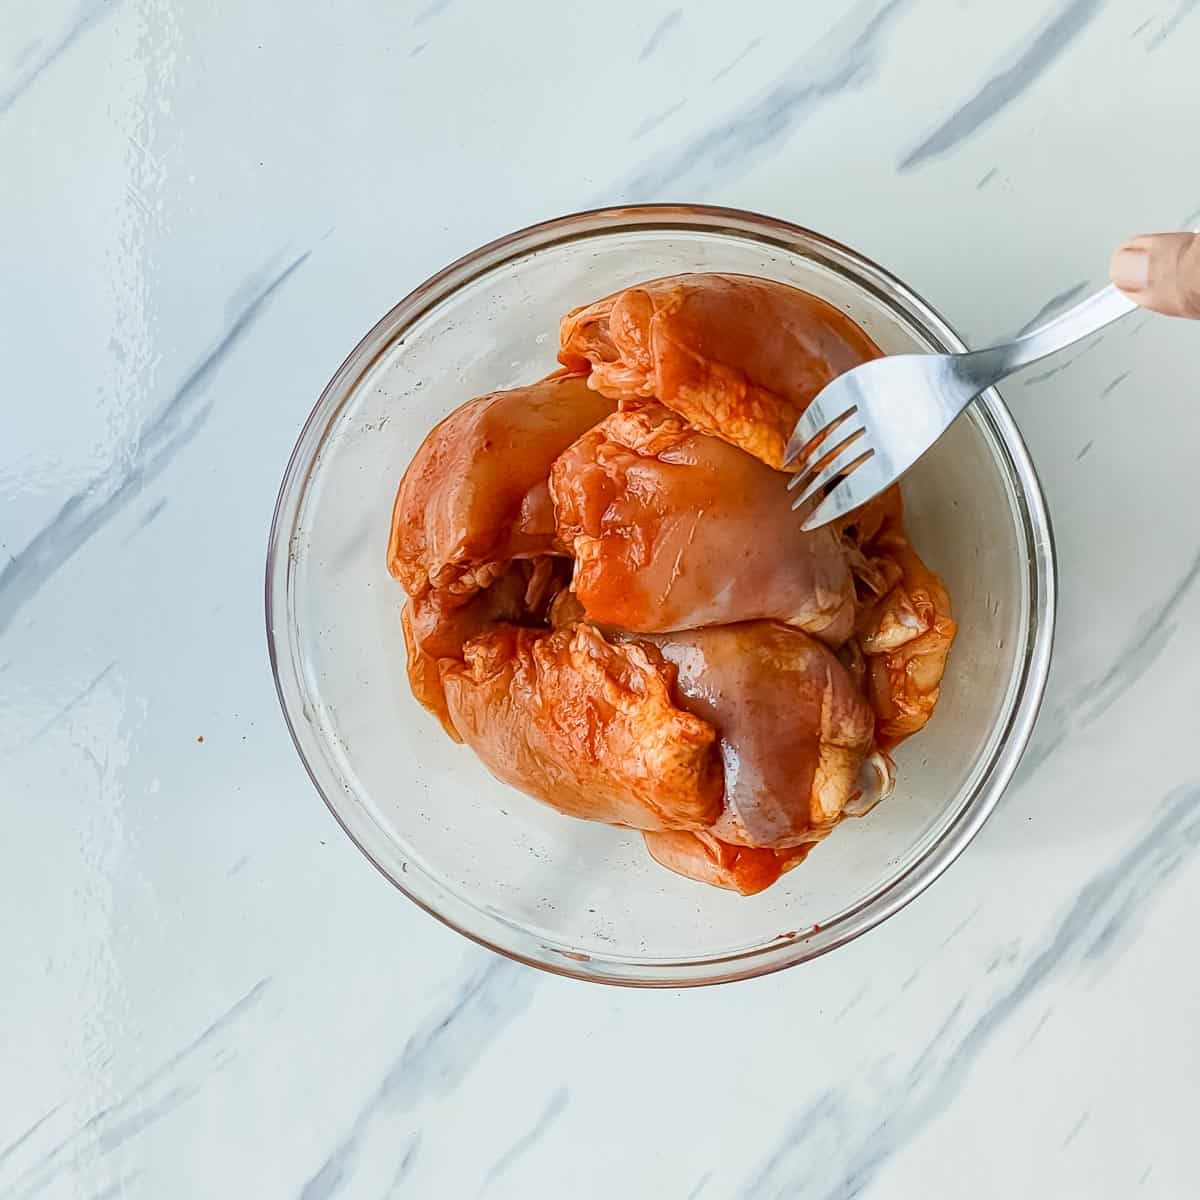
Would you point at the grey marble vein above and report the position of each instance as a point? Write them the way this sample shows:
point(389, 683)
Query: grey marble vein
point(851, 1004)
point(115, 1191)
point(1183, 10)
point(1084, 704)
point(431, 10)
point(71, 704)
point(1085, 449)
point(701, 1184)
point(417, 49)
point(408, 1160)
point(843, 60)
point(1075, 1129)
point(552, 1111)
point(433, 1062)
point(795, 1164)
point(1055, 304)
point(1042, 376)
point(166, 432)
point(238, 867)
point(1041, 1024)
point(118, 1132)
point(664, 27)
point(14, 1146)
point(1137, 654)
point(987, 178)
point(841, 1142)
point(1023, 70)
point(961, 925)
point(752, 45)
point(166, 1088)
point(87, 14)
point(1142, 28)
point(1113, 384)
point(148, 518)
point(27, 52)
point(654, 120)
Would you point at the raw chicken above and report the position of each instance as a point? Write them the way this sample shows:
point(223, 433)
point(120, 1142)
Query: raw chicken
point(707, 859)
point(442, 621)
point(674, 529)
point(585, 726)
point(438, 623)
point(882, 514)
point(619, 612)
point(875, 572)
point(424, 675)
point(472, 534)
point(904, 627)
point(475, 495)
point(739, 357)
point(794, 732)
point(906, 637)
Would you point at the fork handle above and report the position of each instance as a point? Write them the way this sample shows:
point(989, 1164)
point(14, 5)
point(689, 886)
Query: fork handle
point(990, 366)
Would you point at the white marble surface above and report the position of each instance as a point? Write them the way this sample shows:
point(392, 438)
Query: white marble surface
point(205, 991)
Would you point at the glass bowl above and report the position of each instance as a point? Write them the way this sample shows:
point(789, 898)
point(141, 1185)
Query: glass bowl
point(570, 896)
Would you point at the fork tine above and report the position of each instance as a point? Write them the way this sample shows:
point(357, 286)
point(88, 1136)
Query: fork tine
point(834, 473)
point(811, 430)
point(840, 500)
point(805, 476)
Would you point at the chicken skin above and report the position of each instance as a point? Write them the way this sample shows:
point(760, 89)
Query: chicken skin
point(735, 356)
point(438, 623)
point(707, 859)
point(585, 726)
point(475, 495)
point(674, 529)
point(793, 729)
point(905, 625)
point(472, 536)
point(906, 637)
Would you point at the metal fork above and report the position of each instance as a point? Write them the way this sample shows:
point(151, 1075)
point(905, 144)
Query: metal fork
point(866, 428)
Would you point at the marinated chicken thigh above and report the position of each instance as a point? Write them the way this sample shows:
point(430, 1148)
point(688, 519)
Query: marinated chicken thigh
point(736, 356)
point(674, 529)
point(472, 536)
point(475, 495)
point(793, 730)
point(586, 726)
point(438, 623)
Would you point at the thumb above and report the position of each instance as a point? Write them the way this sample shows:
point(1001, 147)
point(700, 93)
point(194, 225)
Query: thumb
point(1161, 271)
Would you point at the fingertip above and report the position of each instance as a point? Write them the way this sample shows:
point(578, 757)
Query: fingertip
point(1129, 268)
point(1161, 272)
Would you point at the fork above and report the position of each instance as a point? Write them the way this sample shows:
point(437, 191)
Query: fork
point(887, 412)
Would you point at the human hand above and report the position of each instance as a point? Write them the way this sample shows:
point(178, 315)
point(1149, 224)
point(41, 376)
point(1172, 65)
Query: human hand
point(1160, 271)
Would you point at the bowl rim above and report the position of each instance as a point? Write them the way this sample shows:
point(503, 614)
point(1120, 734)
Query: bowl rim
point(1037, 541)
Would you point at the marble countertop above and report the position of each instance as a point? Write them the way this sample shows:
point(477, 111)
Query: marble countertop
point(205, 990)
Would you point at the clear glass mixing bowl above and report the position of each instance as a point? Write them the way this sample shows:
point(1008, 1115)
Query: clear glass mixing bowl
point(566, 895)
